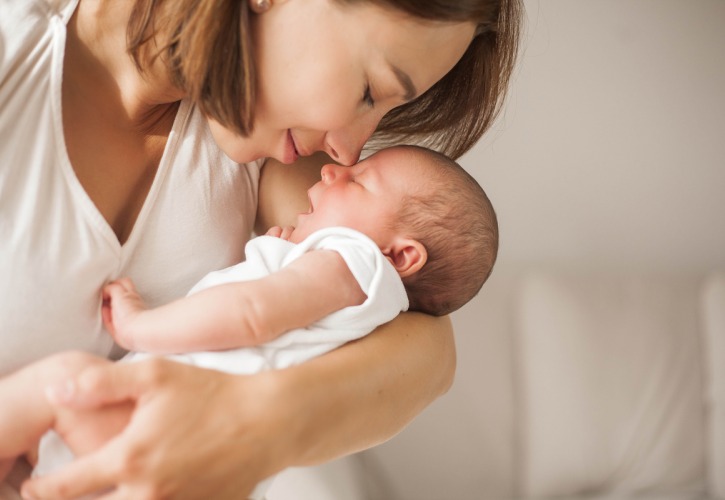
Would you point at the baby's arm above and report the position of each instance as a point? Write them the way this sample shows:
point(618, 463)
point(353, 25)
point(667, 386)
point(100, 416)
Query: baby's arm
point(236, 314)
point(25, 414)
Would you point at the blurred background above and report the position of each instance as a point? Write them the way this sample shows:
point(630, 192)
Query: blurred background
point(609, 160)
point(590, 363)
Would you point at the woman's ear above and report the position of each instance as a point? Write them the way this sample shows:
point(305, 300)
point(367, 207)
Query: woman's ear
point(407, 256)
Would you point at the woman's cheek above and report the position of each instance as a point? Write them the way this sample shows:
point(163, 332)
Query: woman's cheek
point(234, 146)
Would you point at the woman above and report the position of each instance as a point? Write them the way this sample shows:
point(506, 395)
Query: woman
point(118, 122)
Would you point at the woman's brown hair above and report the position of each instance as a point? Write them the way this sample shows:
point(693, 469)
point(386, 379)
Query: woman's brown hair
point(208, 50)
point(207, 47)
point(453, 114)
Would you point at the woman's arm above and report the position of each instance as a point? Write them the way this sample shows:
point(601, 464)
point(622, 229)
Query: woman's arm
point(250, 427)
point(283, 190)
point(389, 376)
point(367, 391)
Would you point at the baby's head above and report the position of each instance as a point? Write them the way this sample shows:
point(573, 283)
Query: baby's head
point(450, 214)
point(428, 216)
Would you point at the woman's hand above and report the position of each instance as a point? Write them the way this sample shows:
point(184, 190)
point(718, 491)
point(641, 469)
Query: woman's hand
point(205, 434)
point(187, 437)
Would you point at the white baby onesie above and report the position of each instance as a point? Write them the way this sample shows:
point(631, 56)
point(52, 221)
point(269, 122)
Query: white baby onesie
point(386, 298)
point(378, 279)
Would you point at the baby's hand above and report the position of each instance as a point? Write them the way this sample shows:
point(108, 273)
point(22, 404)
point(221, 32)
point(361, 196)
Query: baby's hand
point(281, 232)
point(121, 305)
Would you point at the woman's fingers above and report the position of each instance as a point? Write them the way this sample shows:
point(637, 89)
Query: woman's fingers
point(91, 473)
point(107, 384)
point(220, 449)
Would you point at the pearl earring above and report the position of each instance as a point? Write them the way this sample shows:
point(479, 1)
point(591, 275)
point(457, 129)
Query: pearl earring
point(260, 6)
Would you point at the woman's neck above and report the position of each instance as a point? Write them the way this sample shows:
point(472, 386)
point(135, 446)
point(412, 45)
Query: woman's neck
point(97, 48)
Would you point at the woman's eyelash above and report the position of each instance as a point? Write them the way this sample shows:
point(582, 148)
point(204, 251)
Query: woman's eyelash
point(368, 97)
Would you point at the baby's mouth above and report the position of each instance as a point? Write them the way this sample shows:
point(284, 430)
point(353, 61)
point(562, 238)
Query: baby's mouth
point(312, 208)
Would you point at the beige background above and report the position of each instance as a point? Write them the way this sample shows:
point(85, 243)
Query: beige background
point(610, 155)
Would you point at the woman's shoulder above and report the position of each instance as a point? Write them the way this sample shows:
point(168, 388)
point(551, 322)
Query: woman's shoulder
point(26, 26)
point(19, 14)
point(63, 7)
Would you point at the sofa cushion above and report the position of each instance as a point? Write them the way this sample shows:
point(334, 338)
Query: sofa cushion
point(610, 384)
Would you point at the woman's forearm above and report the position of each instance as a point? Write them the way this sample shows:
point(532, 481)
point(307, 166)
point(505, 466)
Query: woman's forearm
point(367, 391)
point(251, 427)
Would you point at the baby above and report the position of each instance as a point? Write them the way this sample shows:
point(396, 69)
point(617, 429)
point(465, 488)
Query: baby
point(404, 229)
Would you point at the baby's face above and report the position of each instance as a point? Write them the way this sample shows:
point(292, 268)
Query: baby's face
point(365, 197)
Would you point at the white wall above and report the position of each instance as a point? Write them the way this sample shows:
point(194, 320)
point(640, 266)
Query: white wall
point(611, 154)
point(612, 146)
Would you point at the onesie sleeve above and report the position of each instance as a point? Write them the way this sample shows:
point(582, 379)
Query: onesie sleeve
point(386, 296)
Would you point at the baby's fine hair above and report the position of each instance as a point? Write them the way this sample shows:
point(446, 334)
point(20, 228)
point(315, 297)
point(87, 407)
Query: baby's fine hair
point(457, 224)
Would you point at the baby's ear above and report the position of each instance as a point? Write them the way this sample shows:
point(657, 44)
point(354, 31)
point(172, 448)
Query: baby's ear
point(407, 256)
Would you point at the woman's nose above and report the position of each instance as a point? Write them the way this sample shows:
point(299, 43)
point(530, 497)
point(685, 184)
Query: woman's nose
point(341, 152)
point(345, 145)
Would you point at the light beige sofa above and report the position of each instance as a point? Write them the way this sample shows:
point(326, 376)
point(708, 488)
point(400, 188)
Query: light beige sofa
point(593, 384)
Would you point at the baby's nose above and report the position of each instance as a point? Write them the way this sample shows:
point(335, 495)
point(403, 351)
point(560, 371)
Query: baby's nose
point(328, 173)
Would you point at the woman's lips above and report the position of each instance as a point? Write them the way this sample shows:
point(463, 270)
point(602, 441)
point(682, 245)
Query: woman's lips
point(290, 149)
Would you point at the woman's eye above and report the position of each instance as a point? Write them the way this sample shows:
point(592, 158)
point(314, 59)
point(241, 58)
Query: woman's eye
point(368, 97)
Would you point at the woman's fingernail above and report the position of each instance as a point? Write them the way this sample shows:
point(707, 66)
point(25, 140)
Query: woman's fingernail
point(60, 393)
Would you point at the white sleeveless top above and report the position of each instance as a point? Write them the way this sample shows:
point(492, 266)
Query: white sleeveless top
point(56, 250)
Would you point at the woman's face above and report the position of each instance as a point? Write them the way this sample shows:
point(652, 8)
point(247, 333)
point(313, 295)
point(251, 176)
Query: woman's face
point(328, 72)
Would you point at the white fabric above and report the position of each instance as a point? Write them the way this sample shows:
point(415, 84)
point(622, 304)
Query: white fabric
point(57, 251)
point(610, 385)
point(341, 479)
point(713, 315)
point(386, 298)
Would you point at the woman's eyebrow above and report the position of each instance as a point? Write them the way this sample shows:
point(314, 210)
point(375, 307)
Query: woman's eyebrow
point(406, 82)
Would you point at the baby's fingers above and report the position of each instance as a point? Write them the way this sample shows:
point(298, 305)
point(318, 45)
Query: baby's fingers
point(107, 317)
point(287, 232)
point(281, 232)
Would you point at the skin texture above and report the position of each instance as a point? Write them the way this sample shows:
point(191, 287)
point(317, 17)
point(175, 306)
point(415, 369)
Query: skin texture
point(248, 427)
